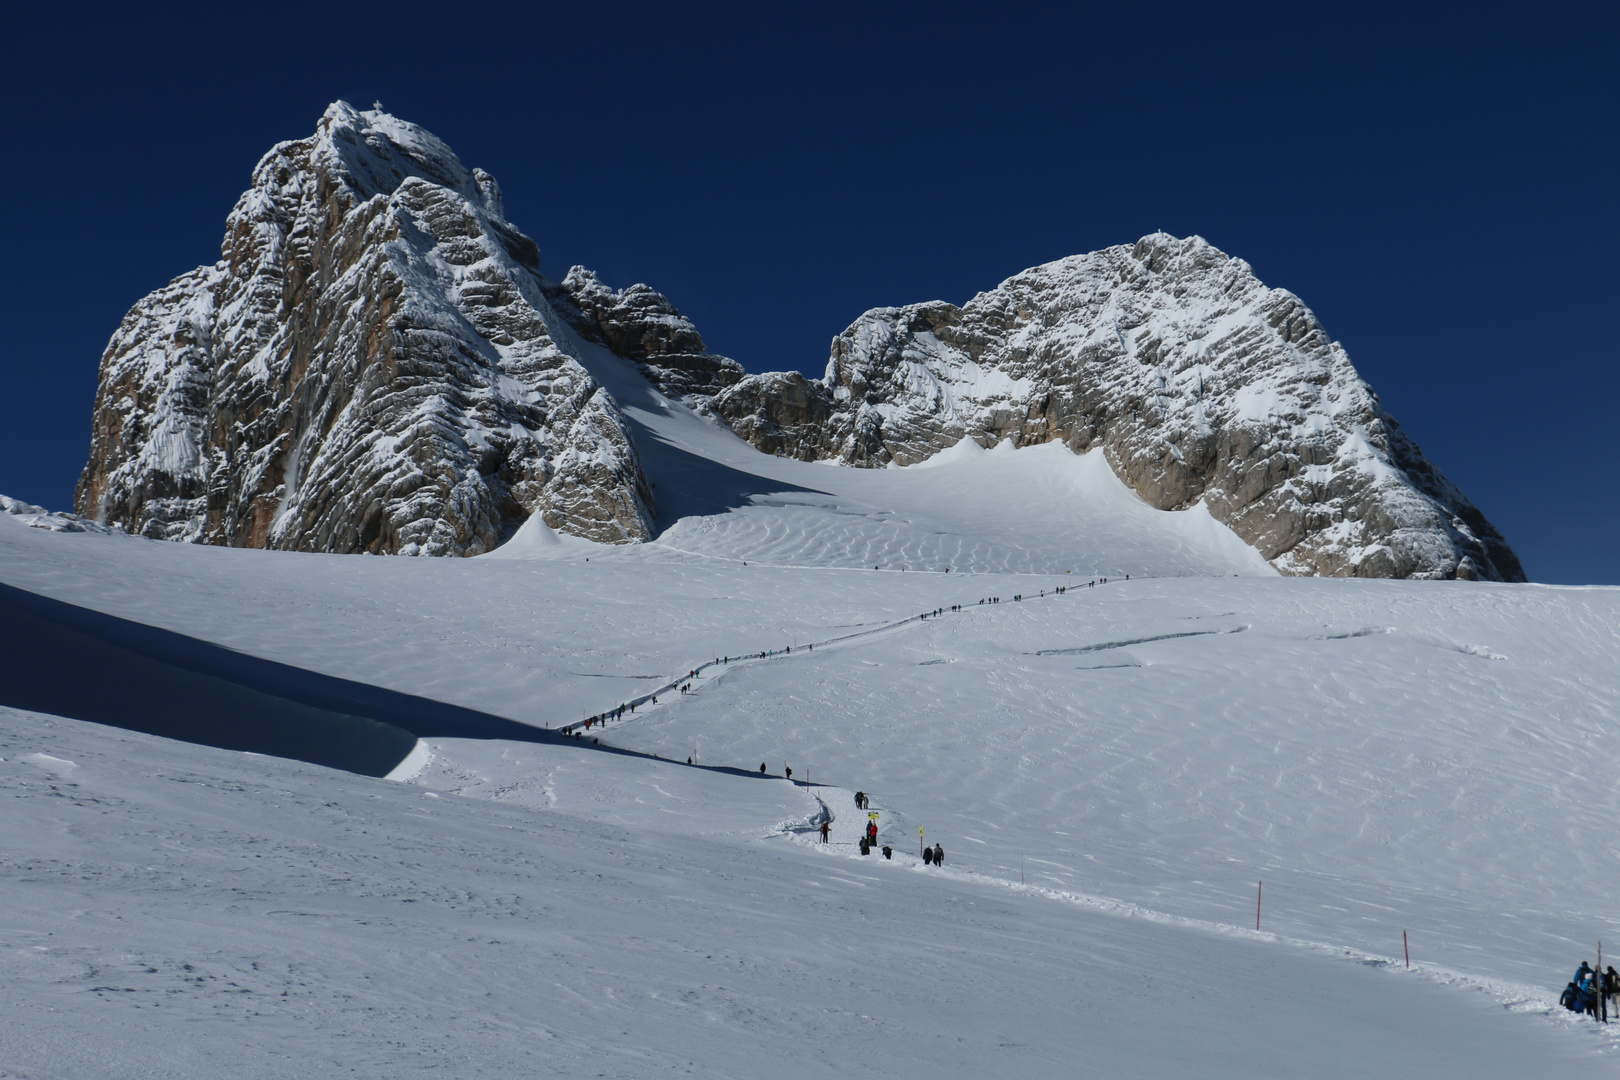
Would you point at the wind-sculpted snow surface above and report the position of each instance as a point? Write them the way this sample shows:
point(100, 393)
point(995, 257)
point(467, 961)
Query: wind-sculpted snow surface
point(1109, 771)
point(1199, 383)
point(372, 366)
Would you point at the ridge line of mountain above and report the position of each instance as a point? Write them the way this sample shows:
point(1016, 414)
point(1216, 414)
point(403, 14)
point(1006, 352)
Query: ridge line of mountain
point(377, 364)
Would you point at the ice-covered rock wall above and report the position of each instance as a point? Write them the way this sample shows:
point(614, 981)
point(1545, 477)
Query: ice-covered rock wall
point(372, 365)
point(1199, 382)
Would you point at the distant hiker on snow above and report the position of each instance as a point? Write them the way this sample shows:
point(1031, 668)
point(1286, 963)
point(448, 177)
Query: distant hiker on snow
point(928, 855)
point(888, 852)
point(939, 855)
point(1570, 998)
point(871, 832)
point(1611, 983)
point(762, 768)
point(826, 827)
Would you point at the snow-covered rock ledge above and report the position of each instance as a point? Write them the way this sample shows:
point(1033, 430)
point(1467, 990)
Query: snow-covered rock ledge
point(38, 517)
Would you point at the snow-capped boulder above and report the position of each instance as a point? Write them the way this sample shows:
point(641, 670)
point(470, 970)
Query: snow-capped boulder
point(1199, 382)
point(372, 365)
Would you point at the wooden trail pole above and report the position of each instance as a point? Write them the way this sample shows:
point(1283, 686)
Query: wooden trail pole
point(1407, 949)
point(1259, 891)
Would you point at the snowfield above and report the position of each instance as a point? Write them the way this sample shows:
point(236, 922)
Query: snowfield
point(1110, 771)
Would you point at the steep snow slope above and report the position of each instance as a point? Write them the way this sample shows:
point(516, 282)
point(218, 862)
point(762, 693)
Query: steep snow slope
point(1041, 509)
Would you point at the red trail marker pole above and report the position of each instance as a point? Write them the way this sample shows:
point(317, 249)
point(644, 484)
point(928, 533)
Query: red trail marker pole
point(1259, 891)
point(1407, 949)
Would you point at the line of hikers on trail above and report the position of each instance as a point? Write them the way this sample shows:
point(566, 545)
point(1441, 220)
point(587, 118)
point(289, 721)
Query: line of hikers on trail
point(1583, 993)
point(685, 687)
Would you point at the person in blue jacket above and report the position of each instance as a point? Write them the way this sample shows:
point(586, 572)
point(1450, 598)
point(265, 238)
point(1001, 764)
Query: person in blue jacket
point(1570, 998)
point(1586, 987)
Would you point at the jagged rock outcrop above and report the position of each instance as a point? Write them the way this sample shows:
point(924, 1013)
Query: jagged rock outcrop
point(1197, 381)
point(373, 365)
point(642, 325)
point(377, 364)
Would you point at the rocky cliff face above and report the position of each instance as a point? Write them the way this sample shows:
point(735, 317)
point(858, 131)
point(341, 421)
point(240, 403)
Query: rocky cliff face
point(642, 325)
point(373, 365)
point(1197, 381)
point(376, 364)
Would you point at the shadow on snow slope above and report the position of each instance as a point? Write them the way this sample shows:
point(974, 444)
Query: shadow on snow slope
point(686, 483)
point(71, 661)
point(692, 486)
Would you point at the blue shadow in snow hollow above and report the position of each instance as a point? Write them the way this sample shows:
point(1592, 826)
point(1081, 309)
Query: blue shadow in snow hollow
point(70, 661)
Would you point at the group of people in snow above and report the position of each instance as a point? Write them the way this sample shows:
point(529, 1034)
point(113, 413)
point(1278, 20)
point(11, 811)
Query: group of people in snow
point(934, 856)
point(1583, 992)
point(868, 842)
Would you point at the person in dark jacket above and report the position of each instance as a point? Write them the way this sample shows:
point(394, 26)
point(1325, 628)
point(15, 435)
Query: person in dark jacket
point(826, 827)
point(888, 852)
point(939, 855)
point(1570, 998)
point(1611, 982)
point(928, 856)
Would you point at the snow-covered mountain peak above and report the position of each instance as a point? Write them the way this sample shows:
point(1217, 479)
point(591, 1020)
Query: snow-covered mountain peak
point(373, 152)
point(377, 364)
point(372, 366)
point(1201, 384)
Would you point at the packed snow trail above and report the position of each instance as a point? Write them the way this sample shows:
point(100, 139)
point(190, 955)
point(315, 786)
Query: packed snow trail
point(650, 698)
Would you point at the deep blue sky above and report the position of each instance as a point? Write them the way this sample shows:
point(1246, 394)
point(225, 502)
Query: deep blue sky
point(1439, 184)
